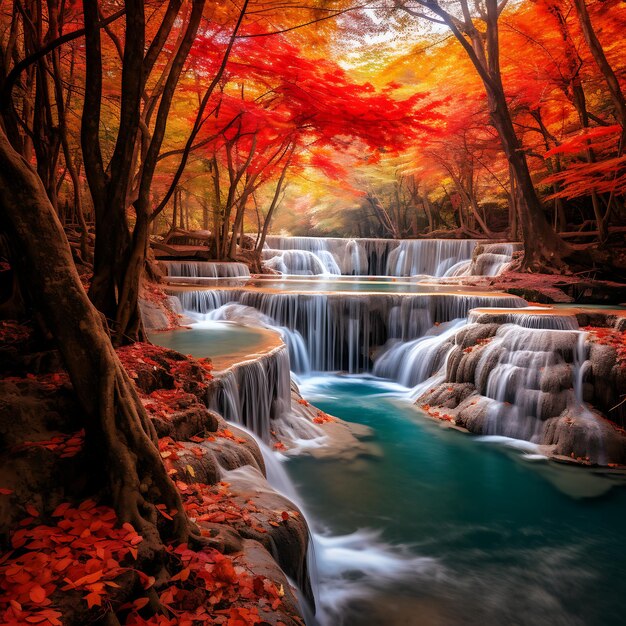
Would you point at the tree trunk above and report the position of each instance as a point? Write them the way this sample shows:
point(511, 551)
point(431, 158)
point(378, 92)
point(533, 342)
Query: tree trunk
point(429, 212)
point(542, 246)
point(602, 62)
point(617, 96)
point(205, 213)
point(109, 188)
point(119, 435)
point(273, 206)
point(175, 210)
point(469, 198)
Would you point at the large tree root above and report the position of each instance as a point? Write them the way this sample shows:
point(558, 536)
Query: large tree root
point(137, 478)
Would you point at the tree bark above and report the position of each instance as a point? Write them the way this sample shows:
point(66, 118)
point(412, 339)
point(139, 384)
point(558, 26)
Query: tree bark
point(543, 248)
point(119, 435)
point(617, 96)
point(602, 62)
point(274, 204)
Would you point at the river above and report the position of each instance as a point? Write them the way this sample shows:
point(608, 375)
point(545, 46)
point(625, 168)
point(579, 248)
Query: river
point(482, 533)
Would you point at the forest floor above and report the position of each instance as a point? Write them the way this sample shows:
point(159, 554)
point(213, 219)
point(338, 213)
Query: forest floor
point(65, 558)
point(557, 289)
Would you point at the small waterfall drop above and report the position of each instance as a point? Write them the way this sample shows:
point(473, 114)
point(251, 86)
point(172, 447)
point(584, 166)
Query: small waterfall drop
point(249, 316)
point(205, 269)
point(413, 362)
point(329, 256)
point(527, 318)
point(431, 257)
point(255, 393)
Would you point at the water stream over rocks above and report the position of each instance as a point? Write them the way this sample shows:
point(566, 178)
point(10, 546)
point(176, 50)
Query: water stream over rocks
point(341, 331)
point(519, 377)
point(324, 256)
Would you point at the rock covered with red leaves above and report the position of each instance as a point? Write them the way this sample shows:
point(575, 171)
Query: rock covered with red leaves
point(65, 558)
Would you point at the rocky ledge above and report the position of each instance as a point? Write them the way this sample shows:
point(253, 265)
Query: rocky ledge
point(65, 559)
point(555, 378)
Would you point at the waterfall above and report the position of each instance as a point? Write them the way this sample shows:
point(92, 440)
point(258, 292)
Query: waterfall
point(301, 262)
point(331, 256)
point(413, 362)
point(242, 314)
point(197, 301)
point(430, 257)
point(257, 393)
point(517, 372)
point(508, 380)
point(325, 256)
point(342, 568)
point(534, 380)
point(595, 440)
point(581, 364)
point(525, 367)
point(488, 259)
point(530, 317)
point(339, 331)
point(489, 264)
point(254, 393)
point(205, 269)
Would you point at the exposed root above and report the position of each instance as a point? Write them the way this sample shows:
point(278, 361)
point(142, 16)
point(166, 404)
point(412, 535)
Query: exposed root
point(138, 480)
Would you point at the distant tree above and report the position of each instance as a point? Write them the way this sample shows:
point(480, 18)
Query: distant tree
point(476, 28)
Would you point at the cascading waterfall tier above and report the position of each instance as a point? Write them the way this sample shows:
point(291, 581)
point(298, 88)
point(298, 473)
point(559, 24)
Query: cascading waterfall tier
point(205, 269)
point(412, 362)
point(341, 331)
point(530, 317)
point(489, 363)
point(527, 380)
point(324, 256)
point(254, 392)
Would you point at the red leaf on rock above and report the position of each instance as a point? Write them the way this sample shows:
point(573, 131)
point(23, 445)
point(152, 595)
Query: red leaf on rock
point(37, 594)
point(93, 599)
point(225, 571)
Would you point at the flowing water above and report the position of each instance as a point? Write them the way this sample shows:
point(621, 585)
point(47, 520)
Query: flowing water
point(494, 535)
point(205, 269)
point(331, 256)
point(342, 331)
point(439, 527)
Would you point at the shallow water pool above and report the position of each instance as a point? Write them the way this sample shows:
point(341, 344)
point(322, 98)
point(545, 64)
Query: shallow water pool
point(492, 536)
point(211, 339)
